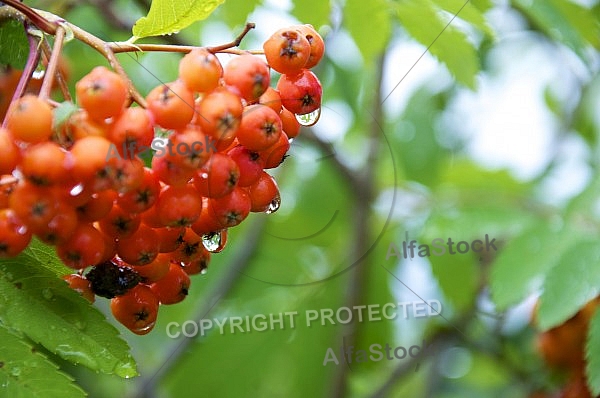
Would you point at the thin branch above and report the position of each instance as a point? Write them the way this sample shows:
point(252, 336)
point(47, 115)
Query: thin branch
point(60, 79)
point(364, 189)
point(240, 262)
point(41, 22)
point(329, 151)
point(236, 42)
point(52, 67)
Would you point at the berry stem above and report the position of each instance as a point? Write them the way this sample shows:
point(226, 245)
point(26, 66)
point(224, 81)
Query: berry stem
point(54, 25)
point(51, 69)
point(59, 73)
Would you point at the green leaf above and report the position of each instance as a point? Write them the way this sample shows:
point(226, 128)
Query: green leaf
point(449, 45)
point(314, 12)
point(563, 21)
point(14, 48)
point(523, 263)
point(574, 281)
point(457, 276)
point(62, 113)
point(361, 17)
point(468, 12)
point(27, 373)
point(482, 5)
point(36, 302)
point(592, 354)
point(169, 16)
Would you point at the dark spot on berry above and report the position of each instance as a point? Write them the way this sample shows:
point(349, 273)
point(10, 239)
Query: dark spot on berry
point(109, 280)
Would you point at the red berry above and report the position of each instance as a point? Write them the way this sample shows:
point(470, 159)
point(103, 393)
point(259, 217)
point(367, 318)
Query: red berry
point(231, 209)
point(81, 285)
point(249, 75)
point(173, 287)
point(137, 309)
point(264, 194)
point(200, 70)
point(102, 93)
point(300, 93)
point(287, 50)
point(140, 248)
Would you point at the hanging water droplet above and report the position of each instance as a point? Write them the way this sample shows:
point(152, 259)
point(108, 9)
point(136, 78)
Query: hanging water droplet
point(125, 369)
point(215, 242)
point(274, 205)
point(204, 271)
point(38, 74)
point(309, 119)
point(47, 293)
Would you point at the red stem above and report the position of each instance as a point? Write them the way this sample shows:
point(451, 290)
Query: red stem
point(35, 18)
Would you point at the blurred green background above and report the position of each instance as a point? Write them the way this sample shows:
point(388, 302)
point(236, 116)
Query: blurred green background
point(433, 125)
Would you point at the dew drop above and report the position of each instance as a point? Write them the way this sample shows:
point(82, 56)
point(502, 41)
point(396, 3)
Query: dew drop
point(309, 119)
point(204, 271)
point(274, 205)
point(215, 242)
point(15, 372)
point(125, 369)
point(38, 74)
point(47, 293)
point(80, 325)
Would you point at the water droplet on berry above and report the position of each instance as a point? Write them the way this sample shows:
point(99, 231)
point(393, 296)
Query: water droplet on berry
point(309, 119)
point(47, 293)
point(76, 190)
point(214, 242)
point(274, 205)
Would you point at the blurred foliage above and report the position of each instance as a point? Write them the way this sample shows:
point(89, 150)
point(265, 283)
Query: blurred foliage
point(327, 247)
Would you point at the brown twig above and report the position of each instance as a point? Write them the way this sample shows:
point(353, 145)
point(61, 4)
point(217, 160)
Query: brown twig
point(235, 43)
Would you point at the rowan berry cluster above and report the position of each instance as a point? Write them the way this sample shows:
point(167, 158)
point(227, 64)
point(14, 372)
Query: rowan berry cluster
point(563, 350)
point(144, 228)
